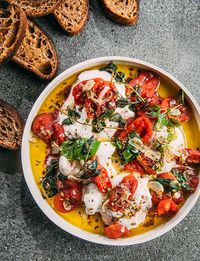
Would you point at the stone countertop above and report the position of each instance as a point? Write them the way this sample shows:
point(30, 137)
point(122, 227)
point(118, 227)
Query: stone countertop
point(167, 35)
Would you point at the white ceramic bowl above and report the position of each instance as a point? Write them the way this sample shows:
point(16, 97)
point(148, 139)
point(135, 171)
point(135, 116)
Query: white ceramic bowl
point(46, 208)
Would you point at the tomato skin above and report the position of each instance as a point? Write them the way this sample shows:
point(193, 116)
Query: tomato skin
point(116, 201)
point(194, 182)
point(193, 156)
point(165, 206)
point(79, 96)
point(103, 180)
point(93, 109)
point(130, 182)
point(42, 126)
point(134, 166)
point(116, 230)
point(167, 175)
point(71, 192)
point(146, 163)
point(147, 81)
point(155, 198)
point(58, 133)
point(143, 126)
point(172, 102)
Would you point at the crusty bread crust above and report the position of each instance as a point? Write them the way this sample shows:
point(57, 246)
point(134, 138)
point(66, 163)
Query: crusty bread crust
point(11, 126)
point(123, 12)
point(13, 23)
point(37, 52)
point(72, 15)
point(36, 8)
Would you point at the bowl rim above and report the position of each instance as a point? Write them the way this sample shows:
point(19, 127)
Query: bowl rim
point(44, 205)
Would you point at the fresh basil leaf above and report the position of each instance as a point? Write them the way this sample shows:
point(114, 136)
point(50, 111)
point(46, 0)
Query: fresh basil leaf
point(132, 107)
point(73, 114)
point(122, 102)
point(181, 179)
point(106, 115)
point(154, 111)
point(168, 184)
point(162, 120)
point(181, 97)
point(67, 121)
point(111, 67)
point(118, 144)
point(116, 117)
point(173, 123)
point(49, 185)
point(98, 126)
point(120, 77)
point(80, 149)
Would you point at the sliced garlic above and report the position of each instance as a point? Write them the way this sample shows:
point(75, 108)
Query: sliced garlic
point(156, 187)
point(89, 85)
point(154, 155)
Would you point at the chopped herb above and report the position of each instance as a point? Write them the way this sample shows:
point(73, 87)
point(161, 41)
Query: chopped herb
point(169, 184)
point(181, 97)
point(181, 179)
point(99, 124)
point(80, 149)
point(112, 68)
point(73, 114)
point(67, 121)
point(122, 102)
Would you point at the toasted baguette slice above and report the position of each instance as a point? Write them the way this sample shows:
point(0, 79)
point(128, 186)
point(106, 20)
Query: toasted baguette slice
point(11, 126)
point(13, 23)
point(124, 12)
point(37, 53)
point(36, 8)
point(72, 15)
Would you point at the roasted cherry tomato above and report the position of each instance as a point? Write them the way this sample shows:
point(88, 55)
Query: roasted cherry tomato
point(193, 156)
point(147, 82)
point(167, 175)
point(193, 182)
point(69, 198)
point(104, 97)
point(116, 230)
point(134, 166)
point(155, 198)
point(103, 180)
point(58, 133)
point(117, 202)
point(165, 206)
point(146, 163)
point(172, 102)
point(79, 95)
point(143, 126)
point(43, 126)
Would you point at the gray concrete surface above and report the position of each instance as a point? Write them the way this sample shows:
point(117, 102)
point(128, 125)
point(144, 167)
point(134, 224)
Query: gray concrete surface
point(167, 35)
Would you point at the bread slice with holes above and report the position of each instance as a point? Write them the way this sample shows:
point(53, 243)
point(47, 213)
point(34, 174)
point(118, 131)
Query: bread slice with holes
point(13, 23)
point(11, 126)
point(72, 15)
point(37, 52)
point(124, 12)
point(36, 8)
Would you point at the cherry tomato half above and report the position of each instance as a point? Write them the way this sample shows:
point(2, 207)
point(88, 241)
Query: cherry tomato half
point(70, 198)
point(102, 180)
point(147, 82)
point(116, 201)
point(58, 133)
point(165, 206)
point(134, 166)
point(43, 126)
point(193, 156)
point(143, 126)
point(116, 230)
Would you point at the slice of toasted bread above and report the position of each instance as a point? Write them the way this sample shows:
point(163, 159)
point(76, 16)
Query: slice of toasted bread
point(36, 8)
point(37, 52)
point(13, 23)
point(124, 12)
point(11, 126)
point(72, 15)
